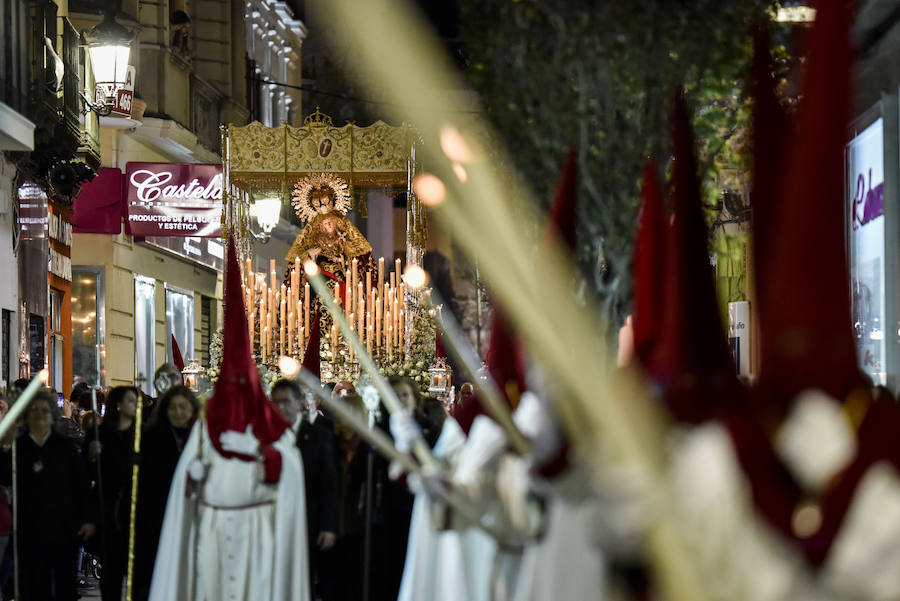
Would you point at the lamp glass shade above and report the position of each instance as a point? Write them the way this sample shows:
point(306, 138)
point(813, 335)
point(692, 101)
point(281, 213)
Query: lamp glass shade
point(267, 212)
point(110, 62)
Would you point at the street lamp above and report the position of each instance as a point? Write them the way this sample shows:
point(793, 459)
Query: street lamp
point(109, 46)
point(267, 211)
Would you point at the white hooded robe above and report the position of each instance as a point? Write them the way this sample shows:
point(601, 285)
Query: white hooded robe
point(243, 539)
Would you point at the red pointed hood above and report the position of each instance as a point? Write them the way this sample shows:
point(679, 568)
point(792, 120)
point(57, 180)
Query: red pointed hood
point(769, 136)
point(238, 399)
point(691, 359)
point(176, 355)
point(506, 365)
point(504, 358)
point(649, 256)
point(439, 351)
point(311, 358)
point(807, 331)
point(563, 215)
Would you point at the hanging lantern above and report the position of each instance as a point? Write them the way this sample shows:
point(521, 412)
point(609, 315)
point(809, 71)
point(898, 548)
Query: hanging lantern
point(440, 379)
point(192, 373)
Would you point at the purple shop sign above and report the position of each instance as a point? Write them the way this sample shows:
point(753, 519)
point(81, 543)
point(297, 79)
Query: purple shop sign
point(173, 199)
point(868, 204)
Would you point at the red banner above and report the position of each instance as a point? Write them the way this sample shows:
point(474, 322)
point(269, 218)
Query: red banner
point(173, 199)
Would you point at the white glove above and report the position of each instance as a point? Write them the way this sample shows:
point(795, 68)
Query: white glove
point(196, 470)
point(405, 430)
point(486, 440)
point(428, 480)
point(242, 443)
point(535, 420)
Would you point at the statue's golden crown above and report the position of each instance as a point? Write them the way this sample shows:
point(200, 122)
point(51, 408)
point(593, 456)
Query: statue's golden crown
point(320, 193)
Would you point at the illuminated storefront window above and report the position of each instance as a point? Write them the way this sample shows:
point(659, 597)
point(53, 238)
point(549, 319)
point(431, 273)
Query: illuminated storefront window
point(179, 322)
point(144, 332)
point(88, 332)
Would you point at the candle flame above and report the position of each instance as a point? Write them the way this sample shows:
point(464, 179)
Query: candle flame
point(288, 366)
point(310, 268)
point(44, 376)
point(415, 277)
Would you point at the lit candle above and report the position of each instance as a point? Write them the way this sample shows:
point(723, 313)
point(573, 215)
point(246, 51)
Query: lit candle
point(334, 343)
point(396, 313)
point(385, 312)
point(360, 307)
point(250, 319)
point(290, 336)
point(272, 274)
point(248, 273)
point(380, 272)
point(352, 329)
point(377, 324)
point(397, 272)
point(393, 280)
point(268, 333)
point(369, 340)
point(281, 348)
point(402, 331)
point(262, 325)
point(299, 326)
point(306, 307)
point(368, 284)
point(354, 277)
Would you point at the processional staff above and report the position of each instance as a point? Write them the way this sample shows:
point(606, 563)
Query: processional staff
point(135, 472)
point(10, 420)
point(103, 539)
point(467, 359)
point(394, 406)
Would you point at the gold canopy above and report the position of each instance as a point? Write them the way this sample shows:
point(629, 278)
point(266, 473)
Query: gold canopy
point(273, 159)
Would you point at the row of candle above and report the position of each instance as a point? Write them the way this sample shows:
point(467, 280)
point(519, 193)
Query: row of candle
point(279, 316)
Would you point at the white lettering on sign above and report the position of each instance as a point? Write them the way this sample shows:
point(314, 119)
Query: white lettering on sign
point(151, 187)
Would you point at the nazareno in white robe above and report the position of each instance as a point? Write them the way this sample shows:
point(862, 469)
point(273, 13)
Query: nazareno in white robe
point(461, 563)
point(244, 540)
point(445, 565)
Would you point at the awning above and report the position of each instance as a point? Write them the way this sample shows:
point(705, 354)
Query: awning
point(98, 208)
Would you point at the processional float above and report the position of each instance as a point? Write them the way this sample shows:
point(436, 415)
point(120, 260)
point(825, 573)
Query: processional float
point(322, 170)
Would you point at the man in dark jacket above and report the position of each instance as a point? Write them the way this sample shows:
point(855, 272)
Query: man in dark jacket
point(315, 439)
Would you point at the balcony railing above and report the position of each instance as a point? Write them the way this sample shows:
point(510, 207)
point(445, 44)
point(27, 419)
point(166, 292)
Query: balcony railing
point(14, 73)
point(206, 113)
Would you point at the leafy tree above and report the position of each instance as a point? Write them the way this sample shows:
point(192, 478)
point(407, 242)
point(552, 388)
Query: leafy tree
point(601, 76)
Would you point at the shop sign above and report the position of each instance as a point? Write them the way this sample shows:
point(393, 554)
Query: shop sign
point(60, 265)
point(33, 212)
point(205, 251)
point(60, 230)
point(865, 204)
point(173, 199)
point(124, 96)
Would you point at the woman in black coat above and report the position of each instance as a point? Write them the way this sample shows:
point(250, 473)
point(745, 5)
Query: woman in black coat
point(161, 444)
point(56, 512)
point(116, 451)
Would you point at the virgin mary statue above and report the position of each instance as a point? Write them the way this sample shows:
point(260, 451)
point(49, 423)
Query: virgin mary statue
point(329, 238)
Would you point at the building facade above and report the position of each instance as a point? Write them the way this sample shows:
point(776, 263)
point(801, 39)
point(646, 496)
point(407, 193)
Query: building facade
point(135, 293)
point(49, 150)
